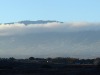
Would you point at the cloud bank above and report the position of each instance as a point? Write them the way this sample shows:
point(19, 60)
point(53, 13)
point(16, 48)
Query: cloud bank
point(19, 28)
point(83, 45)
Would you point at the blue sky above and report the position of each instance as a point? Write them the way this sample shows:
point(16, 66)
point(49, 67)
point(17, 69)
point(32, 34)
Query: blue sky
point(61, 10)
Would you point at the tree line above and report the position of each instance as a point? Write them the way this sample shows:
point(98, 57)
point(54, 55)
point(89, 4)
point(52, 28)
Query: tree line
point(57, 60)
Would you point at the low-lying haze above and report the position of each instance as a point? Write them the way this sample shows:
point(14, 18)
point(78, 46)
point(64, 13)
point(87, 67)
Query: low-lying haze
point(52, 39)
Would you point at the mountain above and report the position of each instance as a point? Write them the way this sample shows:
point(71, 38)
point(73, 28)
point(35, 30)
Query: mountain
point(26, 22)
point(50, 40)
point(70, 44)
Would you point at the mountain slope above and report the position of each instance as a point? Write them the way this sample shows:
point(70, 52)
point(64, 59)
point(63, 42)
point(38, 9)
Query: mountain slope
point(26, 22)
point(81, 45)
point(81, 40)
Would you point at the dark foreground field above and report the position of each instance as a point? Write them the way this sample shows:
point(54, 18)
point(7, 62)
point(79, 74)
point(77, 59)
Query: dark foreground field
point(50, 69)
point(49, 66)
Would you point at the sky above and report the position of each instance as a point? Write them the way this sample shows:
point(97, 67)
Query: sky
point(60, 10)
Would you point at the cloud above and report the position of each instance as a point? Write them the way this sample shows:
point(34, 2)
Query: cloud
point(19, 28)
point(86, 45)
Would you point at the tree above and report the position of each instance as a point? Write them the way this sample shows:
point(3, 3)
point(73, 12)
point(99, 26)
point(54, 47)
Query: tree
point(31, 58)
point(12, 59)
point(97, 61)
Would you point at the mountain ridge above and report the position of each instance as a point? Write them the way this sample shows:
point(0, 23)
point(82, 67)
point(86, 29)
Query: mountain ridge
point(26, 22)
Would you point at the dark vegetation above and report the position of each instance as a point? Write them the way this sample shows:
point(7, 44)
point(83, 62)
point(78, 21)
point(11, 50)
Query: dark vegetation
point(49, 66)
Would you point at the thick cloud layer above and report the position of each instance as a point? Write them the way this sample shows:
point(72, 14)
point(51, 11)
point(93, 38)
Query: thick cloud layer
point(81, 40)
point(18, 28)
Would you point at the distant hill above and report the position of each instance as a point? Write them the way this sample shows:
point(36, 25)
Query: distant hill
point(76, 40)
point(26, 22)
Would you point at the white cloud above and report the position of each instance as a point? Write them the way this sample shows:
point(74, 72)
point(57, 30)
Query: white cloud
point(17, 28)
point(76, 45)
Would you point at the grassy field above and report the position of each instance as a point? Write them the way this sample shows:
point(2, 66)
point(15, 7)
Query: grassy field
point(55, 69)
